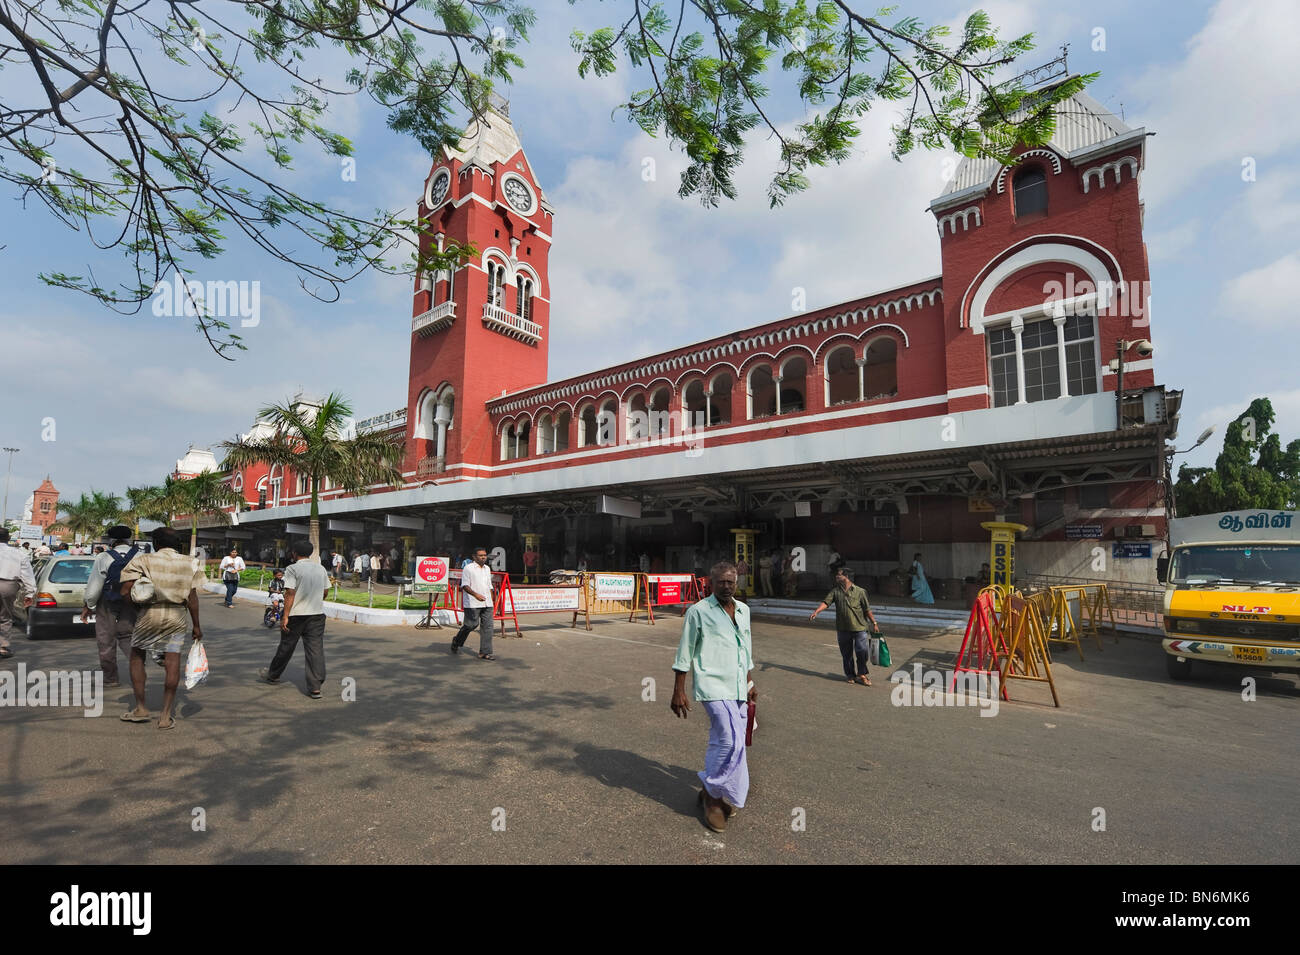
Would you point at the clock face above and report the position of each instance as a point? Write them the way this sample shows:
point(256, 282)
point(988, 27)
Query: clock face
point(438, 190)
point(518, 194)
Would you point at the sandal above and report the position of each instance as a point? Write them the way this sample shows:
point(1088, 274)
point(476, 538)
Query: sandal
point(130, 716)
point(5, 653)
point(486, 656)
point(169, 725)
point(862, 681)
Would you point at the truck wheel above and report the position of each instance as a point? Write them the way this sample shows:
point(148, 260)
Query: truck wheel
point(1178, 669)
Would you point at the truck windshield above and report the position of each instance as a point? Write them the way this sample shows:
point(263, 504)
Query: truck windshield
point(1237, 564)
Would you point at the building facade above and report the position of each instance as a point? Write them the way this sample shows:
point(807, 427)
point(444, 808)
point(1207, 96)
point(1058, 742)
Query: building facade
point(879, 427)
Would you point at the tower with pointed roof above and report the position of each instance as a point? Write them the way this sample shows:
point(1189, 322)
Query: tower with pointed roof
point(479, 331)
point(1044, 265)
point(45, 504)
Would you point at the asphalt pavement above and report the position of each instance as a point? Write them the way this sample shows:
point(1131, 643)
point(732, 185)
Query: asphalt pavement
point(553, 753)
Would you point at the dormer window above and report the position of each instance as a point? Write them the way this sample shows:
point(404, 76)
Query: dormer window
point(1030, 190)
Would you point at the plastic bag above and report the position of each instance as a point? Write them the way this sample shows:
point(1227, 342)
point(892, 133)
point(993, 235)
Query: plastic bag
point(879, 650)
point(196, 666)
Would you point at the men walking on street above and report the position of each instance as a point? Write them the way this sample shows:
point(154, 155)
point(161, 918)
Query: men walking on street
point(232, 565)
point(476, 601)
point(161, 624)
point(716, 649)
point(852, 611)
point(306, 585)
point(114, 614)
point(16, 577)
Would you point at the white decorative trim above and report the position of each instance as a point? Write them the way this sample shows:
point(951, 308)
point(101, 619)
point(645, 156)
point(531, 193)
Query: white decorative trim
point(970, 392)
point(1116, 165)
point(1130, 366)
point(690, 362)
point(950, 220)
point(1032, 251)
point(753, 427)
point(1045, 153)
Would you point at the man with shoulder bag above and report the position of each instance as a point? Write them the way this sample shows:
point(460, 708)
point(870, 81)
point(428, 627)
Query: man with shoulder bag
point(114, 614)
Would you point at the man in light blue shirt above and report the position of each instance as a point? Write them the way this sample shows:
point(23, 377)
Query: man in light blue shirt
point(716, 649)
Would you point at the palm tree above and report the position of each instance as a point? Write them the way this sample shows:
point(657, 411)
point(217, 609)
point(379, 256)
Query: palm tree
point(204, 495)
point(145, 503)
point(309, 440)
point(107, 508)
point(82, 517)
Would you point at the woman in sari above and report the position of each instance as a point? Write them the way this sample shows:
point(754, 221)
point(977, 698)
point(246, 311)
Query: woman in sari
point(920, 586)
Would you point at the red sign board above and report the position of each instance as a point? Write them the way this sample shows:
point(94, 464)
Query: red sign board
point(430, 575)
point(669, 593)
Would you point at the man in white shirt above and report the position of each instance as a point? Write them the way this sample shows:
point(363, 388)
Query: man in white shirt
point(306, 587)
point(15, 577)
point(232, 565)
point(338, 566)
point(476, 601)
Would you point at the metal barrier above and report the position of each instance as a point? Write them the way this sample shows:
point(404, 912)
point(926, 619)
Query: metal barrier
point(1136, 605)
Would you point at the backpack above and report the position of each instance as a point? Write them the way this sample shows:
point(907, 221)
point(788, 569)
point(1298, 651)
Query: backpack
point(113, 579)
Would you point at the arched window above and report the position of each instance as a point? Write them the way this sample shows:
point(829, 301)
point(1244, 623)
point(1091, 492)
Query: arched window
point(524, 286)
point(607, 424)
point(720, 400)
point(638, 418)
point(496, 283)
point(523, 431)
point(762, 392)
point(880, 374)
point(694, 403)
point(842, 382)
point(545, 434)
point(563, 421)
point(660, 414)
point(587, 427)
point(794, 387)
point(1030, 189)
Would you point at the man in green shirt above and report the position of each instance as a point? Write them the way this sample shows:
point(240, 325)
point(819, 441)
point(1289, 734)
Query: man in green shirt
point(716, 649)
point(852, 611)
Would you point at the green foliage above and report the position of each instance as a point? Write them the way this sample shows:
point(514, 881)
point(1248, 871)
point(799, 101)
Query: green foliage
point(90, 514)
point(1252, 471)
point(310, 440)
point(164, 179)
point(167, 181)
point(707, 63)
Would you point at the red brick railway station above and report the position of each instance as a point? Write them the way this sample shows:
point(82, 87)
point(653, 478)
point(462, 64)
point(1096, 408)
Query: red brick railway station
point(879, 427)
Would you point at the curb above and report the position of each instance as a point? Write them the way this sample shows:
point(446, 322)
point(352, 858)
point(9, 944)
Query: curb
point(337, 611)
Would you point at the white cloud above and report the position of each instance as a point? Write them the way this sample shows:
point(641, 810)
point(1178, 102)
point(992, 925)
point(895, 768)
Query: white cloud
point(1226, 100)
point(1264, 296)
point(1168, 245)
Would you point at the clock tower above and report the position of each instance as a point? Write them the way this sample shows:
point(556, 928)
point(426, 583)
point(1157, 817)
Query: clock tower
point(480, 330)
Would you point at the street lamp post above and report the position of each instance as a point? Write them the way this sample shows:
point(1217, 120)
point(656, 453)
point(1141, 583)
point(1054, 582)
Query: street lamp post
point(1169, 469)
point(5, 516)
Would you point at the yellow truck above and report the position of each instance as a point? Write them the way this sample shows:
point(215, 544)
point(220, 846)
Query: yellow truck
point(1232, 591)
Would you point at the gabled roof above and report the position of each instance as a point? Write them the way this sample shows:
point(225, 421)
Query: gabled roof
point(1082, 124)
point(488, 140)
point(47, 485)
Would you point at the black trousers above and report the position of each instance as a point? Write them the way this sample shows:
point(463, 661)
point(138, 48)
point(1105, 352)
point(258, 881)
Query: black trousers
point(311, 630)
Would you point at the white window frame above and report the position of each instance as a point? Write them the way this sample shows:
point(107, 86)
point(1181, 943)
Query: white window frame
point(1058, 312)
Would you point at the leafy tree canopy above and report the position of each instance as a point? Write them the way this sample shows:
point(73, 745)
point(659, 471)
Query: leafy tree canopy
point(109, 113)
point(1252, 471)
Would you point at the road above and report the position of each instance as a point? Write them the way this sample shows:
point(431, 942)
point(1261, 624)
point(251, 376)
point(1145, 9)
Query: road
point(555, 745)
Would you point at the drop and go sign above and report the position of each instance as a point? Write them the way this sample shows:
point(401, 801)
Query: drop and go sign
point(430, 575)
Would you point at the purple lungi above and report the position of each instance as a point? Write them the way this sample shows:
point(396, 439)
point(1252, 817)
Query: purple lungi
point(726, 773)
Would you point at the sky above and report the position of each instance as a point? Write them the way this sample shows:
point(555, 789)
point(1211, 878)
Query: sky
point(94, 399)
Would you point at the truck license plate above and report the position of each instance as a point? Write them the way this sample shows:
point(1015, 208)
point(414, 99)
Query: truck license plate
point(1249, 654)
